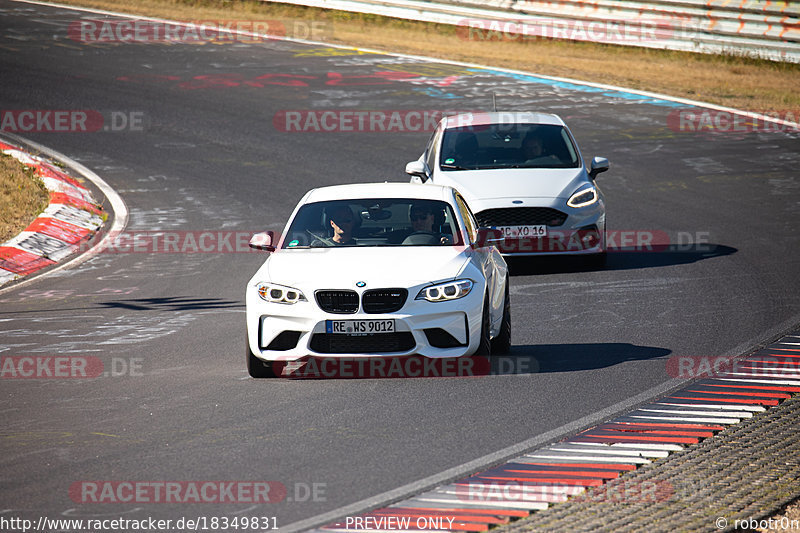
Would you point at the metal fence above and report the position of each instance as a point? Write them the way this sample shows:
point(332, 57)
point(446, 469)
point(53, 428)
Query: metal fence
point(757, 28)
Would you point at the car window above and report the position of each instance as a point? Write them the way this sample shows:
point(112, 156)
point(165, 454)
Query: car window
point(469, 219)
point(430, 151)
point(508, 146)
point(373, 222)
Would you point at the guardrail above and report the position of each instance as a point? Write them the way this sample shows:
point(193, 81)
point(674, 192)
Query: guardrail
point(757, 28)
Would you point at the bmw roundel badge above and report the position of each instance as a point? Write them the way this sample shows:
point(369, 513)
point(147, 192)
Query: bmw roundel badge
point(361, 284)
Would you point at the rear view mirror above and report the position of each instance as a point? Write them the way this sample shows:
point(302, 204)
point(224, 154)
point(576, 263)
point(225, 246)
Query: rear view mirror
point(417, 169)
point(489, 237)
point(376, 213)
point(599, 164)
point(263, 241)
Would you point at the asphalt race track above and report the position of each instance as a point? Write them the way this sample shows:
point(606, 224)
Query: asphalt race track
point(209, 154)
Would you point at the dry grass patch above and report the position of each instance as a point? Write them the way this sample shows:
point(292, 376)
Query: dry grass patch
point(751, 84)
point(22, 197)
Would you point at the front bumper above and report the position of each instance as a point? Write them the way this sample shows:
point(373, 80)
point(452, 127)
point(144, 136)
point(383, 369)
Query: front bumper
point(281, 332)
point(582, 231)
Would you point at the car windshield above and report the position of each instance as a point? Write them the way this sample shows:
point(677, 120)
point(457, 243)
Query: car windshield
point(373, 222)
point(507, 146)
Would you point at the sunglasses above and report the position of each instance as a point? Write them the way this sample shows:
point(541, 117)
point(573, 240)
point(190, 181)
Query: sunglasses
point(420, 216)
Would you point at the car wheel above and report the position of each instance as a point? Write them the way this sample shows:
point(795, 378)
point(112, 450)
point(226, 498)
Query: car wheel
point(485, 346)
point(596, 261)
point(256, 367)
point(502, 343)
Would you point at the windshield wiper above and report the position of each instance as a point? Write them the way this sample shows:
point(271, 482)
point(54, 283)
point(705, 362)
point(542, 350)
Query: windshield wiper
point(455, 167)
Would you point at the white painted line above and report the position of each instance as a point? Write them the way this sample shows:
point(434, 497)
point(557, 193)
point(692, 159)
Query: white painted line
point(641, 446)
point(6, 275)
point(533, 486)
point(459, 501)
point(697, 412)
point(587, 457)
point(760, 381)
point(42, 245)
point(627, 453)
point(117, 206)
point(688, 419)
point(636, 445)
point(512, 492)
point(729, 407)
point(72, 215)
point(783, 372)
point(448, 504)
point(757, 376)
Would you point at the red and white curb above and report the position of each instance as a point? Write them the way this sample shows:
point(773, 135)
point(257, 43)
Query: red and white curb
point(597, 456)
point(69, 221)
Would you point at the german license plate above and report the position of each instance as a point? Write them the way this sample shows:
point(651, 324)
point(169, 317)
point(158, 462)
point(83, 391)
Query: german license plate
point(359, 327)
point(517, 232)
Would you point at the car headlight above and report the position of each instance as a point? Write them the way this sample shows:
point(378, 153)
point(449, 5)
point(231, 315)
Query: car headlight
point(583, 197)
point(442, 292)
point(279, 294)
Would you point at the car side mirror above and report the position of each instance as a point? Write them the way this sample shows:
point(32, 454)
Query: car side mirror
point(263, 241)
point(599, 164)
point(418, 169)
point(489, 237)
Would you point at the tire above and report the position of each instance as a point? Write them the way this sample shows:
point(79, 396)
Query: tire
point(256, 367)
point(596, 261)
point(485, 346)
point(502, 343)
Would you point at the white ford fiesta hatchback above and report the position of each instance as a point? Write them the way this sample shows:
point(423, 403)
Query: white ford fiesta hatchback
point(523, 174)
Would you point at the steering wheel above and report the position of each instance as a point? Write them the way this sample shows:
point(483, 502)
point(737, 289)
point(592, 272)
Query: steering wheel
point(422, 237)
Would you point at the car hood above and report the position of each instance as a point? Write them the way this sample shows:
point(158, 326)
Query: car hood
point(395, 266)
point(515, 182)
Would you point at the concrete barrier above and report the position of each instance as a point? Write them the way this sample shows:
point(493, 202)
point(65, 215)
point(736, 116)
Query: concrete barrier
point(755, 28)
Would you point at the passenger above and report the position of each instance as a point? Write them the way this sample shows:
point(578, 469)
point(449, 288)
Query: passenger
point(342, 222)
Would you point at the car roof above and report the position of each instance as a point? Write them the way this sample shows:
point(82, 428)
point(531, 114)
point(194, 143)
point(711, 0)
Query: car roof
point(501, 117)
point(358, 191)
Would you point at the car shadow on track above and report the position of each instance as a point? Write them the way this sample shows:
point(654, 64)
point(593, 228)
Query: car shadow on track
point(523, 359)
point(544, 358)
point(171, 303)
point(620, 259)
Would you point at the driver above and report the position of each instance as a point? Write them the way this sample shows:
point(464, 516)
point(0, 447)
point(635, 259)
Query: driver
point(423, 220)
point(535, 151)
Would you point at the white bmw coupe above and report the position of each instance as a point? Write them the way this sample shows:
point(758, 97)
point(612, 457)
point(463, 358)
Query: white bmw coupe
point(523, 174)
point(372, 270)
